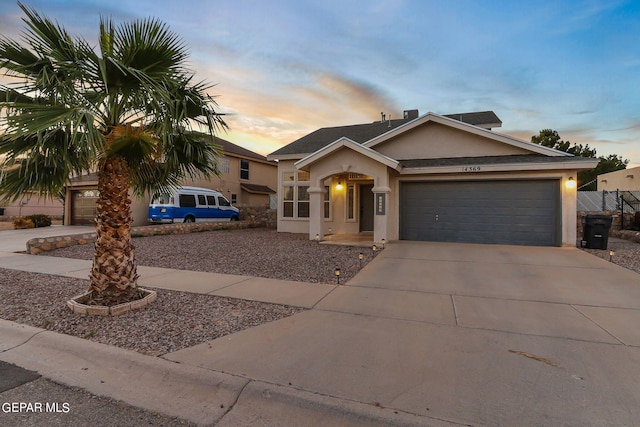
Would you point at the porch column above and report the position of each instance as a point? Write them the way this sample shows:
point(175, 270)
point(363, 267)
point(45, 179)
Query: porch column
point(315, 212)
point(380, 214)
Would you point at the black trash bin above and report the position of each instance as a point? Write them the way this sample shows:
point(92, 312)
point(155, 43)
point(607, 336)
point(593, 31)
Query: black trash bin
point(595, 231)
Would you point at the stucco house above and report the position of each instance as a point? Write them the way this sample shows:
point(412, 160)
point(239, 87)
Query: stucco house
point(431, 177)
point(248, 179)
point(624, 179)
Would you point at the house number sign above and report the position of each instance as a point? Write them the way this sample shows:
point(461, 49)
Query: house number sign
point(471, 169)
point(380, 204)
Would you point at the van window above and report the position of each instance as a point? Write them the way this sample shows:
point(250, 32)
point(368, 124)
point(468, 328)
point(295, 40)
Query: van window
point(161, 199)
point(223, 202)
point(211, 200)
point(187, 201)
point(201, 200)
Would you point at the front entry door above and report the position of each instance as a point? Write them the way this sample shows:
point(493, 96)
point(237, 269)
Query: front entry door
point(366, 207)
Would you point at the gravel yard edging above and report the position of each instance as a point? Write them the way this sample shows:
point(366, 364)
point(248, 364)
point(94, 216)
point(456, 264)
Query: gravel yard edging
point(631, 235)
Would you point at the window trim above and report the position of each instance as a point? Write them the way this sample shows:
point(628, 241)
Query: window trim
point(354, 214)
point(295, 185)
point(244, 169)
point(327, 204)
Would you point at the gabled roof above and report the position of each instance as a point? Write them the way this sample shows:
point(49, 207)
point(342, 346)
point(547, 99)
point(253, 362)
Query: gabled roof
point(231, 148)
point(350, 144)
point(372, 134)
point(324, 136)
point(362, 133)
point(436, 118)
point(483, 119)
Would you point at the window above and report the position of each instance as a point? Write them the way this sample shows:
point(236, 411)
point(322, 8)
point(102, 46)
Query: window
point(303, 201)
point(287, 211)
point(327, 202)
point(223, 164)
point(202, 201)
point(162, 199)
point(351, 202)
point(244, 169)
point(187, 201)
point(295, 192)
point(304, 176)
point(234, 198)
point(223, 202)
point(211, 200)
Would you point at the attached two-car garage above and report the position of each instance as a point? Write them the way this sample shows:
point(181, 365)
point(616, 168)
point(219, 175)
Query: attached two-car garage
point(515, 212)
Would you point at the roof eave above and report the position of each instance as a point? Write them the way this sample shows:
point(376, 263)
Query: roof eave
point(348, 143)
point(505, 167)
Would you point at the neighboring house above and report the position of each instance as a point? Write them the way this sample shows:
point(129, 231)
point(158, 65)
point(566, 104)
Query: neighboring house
point(624, 179)
point(31, 203)
point(431, 177)
point(247, 180)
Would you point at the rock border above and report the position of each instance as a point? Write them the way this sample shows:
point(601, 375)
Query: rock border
point(100, 310)
point(38, 245)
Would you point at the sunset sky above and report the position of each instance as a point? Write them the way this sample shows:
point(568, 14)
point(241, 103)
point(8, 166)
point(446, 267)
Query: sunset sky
point(285, 68)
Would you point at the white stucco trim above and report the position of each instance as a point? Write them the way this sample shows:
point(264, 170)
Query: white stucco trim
point(352, 145)
point(510, 167)
point(446, 121)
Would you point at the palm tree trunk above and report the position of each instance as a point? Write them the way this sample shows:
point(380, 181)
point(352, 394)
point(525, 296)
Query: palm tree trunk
point(114, 274)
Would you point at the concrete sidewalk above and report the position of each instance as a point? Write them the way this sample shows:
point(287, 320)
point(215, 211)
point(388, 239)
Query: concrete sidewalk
point(426, 334)
point(199, 395)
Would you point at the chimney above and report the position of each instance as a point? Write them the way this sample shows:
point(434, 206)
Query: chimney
point(382, 116)
point(411, 114)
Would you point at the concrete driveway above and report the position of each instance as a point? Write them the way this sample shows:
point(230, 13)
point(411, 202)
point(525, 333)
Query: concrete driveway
point(462, 335)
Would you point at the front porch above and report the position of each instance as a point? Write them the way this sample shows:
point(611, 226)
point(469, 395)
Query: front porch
point(364, 239)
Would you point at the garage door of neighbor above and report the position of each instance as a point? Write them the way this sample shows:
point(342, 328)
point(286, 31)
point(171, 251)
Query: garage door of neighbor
point(519, 212)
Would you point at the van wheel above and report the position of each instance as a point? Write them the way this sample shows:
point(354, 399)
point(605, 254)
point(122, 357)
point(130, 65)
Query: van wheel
point(189, 219)
point(234, 218)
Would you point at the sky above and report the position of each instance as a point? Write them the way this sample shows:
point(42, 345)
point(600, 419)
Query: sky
point(285, 68)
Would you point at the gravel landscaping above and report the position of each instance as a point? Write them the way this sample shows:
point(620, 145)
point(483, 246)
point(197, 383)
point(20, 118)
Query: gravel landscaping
point(257, 252)
point(165, 326)
point(626, 253)
point(162, 327)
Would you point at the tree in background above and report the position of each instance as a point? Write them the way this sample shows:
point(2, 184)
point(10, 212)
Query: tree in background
point(586, 179)
point(125, 109)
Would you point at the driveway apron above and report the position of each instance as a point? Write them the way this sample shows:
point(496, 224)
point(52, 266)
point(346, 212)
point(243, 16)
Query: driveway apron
point(470, 334)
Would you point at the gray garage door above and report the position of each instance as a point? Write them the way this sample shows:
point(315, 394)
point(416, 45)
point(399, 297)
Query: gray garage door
point(500, 212)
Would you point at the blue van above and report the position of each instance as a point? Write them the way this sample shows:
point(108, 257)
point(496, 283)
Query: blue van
point(191, 204)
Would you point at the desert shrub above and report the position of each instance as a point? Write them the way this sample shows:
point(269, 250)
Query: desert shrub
point(40, 220)
point(21, 223)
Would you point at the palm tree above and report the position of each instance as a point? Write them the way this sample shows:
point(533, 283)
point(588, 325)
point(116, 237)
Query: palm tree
point(127, 109)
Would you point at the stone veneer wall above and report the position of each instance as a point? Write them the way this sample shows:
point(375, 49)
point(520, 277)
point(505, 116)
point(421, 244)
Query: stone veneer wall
point(615, 223)
point(38, 245)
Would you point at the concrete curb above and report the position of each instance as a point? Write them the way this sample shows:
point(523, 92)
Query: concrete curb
point(272, 405)
point(195, 394)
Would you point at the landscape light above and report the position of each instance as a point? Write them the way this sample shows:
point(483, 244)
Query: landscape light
point(374, 247)
point(337, 273)
point(383, 241)
point(611, 254)
point(360, 257)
